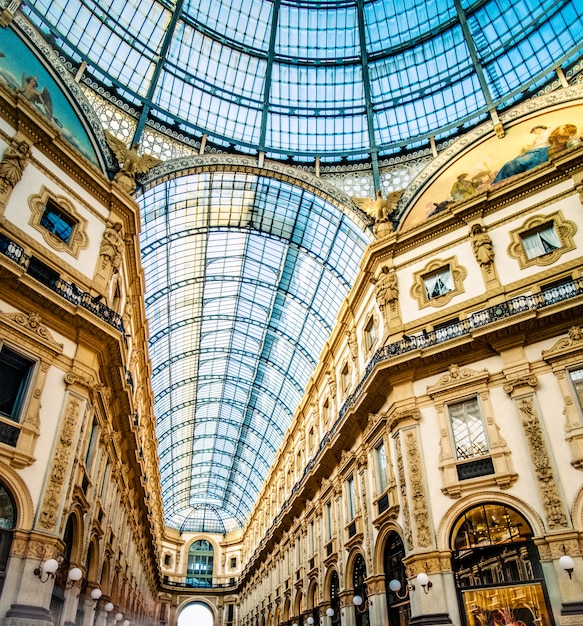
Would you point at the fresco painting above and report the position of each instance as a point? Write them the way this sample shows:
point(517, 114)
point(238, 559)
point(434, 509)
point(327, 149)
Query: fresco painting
point(22, 71)
point(525, 146)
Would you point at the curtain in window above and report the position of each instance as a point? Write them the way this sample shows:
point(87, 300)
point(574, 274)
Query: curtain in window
point(540, 243)
point(438, 284)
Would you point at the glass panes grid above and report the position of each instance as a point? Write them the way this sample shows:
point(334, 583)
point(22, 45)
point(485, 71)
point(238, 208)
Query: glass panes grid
point(245, 276)
point(289, 80)
point(467, 428)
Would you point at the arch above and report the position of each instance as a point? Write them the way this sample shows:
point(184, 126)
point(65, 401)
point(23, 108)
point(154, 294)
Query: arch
point(92, 563)
point(312, 599)
point(446, 525)
point(353, 555)
point(73, 537)
point(577, 511)
point(286, 609)
point(379, 549)
point(21, 495)
point(298, 602)
point(199, 601)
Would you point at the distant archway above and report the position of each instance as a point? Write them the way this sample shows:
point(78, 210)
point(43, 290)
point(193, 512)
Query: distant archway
point(196, 614)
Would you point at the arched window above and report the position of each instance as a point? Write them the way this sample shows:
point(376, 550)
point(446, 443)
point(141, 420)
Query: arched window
point(335, 599)
point(497, 568)
point(359, 587)
point(7, 523)
point(398, 603)
point(199, 572)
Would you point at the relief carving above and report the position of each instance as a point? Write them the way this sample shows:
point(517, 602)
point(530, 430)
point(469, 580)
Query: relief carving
point(417, 490)
point(403, 493)
point(33, 324)
point(48, 516)
point(547, 486)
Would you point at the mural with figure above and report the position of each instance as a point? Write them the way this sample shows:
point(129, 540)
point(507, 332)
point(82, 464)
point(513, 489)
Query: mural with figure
point(493, 161)
point(23, 72)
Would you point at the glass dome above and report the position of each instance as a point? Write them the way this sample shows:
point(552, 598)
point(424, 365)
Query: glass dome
point(245, 273)
point(332, 78)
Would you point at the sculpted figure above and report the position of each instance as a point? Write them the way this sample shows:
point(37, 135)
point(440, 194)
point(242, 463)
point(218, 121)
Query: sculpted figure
point(481, 245)
point(386, 290)
point(131, 163)
point(112, 245)
point(13, 162)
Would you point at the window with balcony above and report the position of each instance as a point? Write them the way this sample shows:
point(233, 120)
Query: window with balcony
point(15, 374)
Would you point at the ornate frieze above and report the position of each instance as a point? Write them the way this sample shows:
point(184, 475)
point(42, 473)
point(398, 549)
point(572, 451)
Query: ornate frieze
point(417, 490)
point(403, 493)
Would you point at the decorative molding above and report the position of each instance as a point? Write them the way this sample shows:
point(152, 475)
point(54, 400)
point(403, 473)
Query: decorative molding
point(565, 231)
point(56, 482)
point(408, 533)
point(528, 380)
point(565, 345)
point(547, 486)
point(457, 377)
point(79, 239)
point(458, 275)
point(417, 490)
point(33, 326)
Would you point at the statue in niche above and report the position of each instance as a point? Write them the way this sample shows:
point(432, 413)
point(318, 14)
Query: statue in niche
point(12, 165)
point(131, 163)
point(112, 245)
point(481, 245)
point(386, 290)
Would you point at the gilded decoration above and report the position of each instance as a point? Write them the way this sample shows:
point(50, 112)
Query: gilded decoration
point(457, 272)
point(78, 240)
point(548, 489)
point(564, 229)
point(54, 490)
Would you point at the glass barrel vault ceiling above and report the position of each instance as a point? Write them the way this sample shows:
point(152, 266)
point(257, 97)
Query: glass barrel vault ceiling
point(245, 276)
point(334, 78)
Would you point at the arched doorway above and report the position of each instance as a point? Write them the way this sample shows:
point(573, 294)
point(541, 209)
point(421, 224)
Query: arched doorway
point(398, 603)
point(7, 523)
point(497, 569)
point(359, 587)
point(196, 614)
point(334, 611)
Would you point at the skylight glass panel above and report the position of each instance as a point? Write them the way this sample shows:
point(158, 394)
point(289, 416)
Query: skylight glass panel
point(244, 22)
point(317, 32)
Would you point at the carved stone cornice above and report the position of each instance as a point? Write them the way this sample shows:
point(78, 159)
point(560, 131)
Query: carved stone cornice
point(528, 380)
point(32, 326)
point(565, 346)
point(401, 415)
point(456, 378)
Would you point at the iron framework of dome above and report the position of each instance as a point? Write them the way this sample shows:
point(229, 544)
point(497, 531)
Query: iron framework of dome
point(245, 273)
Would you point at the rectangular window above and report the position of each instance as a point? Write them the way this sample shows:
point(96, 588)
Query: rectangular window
point(345, 377)
point(15, 373)
point(370, 333)
point(329, 521)
point(577, 380)
point(91, 445)
point(381, 466)
point(312, 538)
point(467, 427)
point(57, 222)
point(233, 562)
point(540, 241)
point(351, 496)
point(298, 551)
point(438, 283)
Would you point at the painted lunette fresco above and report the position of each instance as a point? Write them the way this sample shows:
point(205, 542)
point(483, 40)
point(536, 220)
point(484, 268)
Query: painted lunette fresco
point(525, 146)
point(22, 71)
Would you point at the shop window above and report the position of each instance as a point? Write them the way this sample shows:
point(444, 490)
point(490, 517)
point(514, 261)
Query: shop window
point(467, 427)
point(497, 568)
point(398, 602)
point(7, 523)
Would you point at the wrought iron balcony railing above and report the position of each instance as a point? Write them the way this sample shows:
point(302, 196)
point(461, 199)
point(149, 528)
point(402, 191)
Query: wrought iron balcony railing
point(51, 279)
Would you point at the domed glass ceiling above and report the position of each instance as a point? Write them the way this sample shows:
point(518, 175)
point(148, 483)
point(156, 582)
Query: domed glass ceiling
point(245, 274)
point(333, 78)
